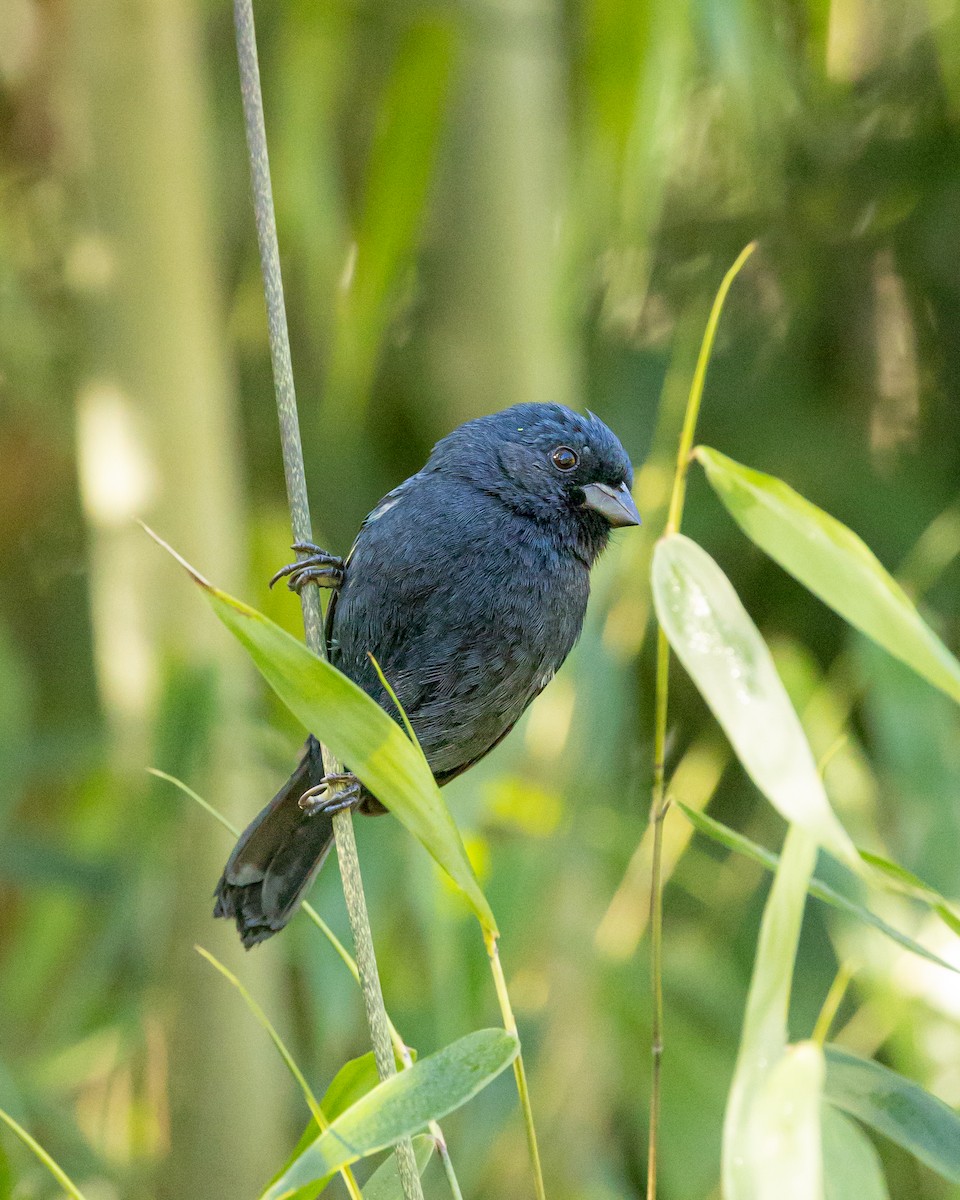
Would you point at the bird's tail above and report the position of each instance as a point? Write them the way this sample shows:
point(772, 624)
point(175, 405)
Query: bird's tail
point(277, 858)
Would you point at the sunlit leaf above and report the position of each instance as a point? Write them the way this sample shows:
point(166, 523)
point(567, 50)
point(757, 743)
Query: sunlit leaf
point(384, 1183)
point(851, 1165)
point(402, 1106)
point(835, 564)
point(354, 1079)
point(896, 1107)
point(784, 1151)
point(728, 660)
point(764, 1038)
point(357, 730)
point(725, 836)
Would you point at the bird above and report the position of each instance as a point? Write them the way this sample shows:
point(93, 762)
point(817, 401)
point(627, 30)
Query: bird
point(468, 584)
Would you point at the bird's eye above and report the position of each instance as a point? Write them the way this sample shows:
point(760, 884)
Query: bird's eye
point(564, 459)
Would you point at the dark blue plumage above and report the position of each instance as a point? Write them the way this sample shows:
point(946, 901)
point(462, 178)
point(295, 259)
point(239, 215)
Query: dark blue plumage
point(469, 584)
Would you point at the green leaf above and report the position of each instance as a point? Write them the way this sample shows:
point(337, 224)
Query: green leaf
point(729, 662)
point(354, 1079)
point(896, 1107)
point(356, 729)
point(851, 1165)
point(784, 1136)
point(835, 564)
point(914, 886)
point(401, 1106)
point(763, 1044)
point(725, 836)
point(384, 1183)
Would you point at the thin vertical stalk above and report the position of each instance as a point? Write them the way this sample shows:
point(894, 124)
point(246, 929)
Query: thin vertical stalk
point(510, 1025)
point(659, 801)
point(302, 531)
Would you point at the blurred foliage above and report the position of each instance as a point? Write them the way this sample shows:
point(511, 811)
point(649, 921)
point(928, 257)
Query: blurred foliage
point(480, 204)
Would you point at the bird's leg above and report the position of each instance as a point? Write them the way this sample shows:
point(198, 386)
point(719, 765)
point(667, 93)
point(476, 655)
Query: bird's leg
point(319, 567)
point(322, 799)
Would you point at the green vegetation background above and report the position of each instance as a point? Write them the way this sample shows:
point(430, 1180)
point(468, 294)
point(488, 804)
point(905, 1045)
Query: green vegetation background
point(478, 204)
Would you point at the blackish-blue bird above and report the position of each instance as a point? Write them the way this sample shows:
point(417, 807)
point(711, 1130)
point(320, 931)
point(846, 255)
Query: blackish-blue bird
point(468, 583)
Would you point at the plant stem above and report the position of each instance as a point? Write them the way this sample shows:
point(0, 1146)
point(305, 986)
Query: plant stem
point(510, 1025)
point(659, 802)
point(302, 531)
point(838, 989)
point(658, 810)
point(675, 515)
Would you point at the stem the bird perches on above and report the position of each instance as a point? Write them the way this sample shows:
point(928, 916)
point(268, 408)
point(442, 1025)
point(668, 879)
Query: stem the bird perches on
point(660, 802)
point(302, 532)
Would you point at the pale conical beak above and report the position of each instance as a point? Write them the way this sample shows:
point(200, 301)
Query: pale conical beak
point(615, 505)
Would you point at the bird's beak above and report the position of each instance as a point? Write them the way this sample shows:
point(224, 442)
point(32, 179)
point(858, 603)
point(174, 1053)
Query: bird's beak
point(615, 505)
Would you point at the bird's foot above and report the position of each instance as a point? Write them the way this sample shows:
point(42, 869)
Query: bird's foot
point(323, 798)
point(319, 567)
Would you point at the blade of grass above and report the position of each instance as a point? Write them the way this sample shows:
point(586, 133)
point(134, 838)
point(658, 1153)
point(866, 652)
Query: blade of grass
point(55, 1170)
point(267, 1025)
point(519, 1070)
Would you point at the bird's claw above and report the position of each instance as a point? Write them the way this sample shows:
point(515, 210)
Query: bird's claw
point(322, 798)
point(319, 567)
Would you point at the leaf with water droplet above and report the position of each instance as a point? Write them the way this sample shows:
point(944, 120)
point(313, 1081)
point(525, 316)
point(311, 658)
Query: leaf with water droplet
point(722, 650)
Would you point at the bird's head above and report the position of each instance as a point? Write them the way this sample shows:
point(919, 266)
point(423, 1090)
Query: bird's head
point(549, 463)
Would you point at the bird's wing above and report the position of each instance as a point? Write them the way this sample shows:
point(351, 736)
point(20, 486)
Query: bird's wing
point(384, 505)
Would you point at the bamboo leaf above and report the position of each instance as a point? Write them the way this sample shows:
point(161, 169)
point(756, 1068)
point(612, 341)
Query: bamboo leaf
point(784, 1138)
point(357, 729)
point(914, 886)
point(402, 1106)
point(832, 562)
point(725, 836)
point(764, 1039)
point(728, 660)
point(354, 1079)
point(851, 1165)
point(896, 1107)
point(384, 1183)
